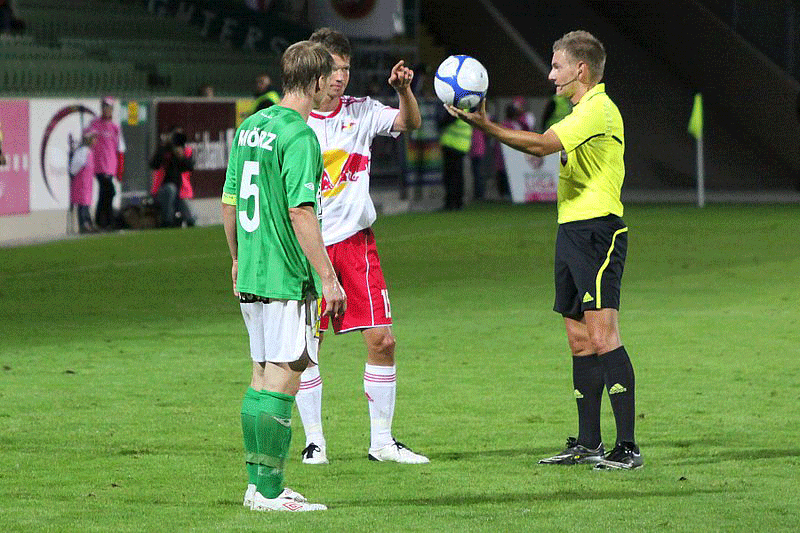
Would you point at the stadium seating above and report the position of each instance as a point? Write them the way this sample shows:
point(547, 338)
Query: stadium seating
point(49, 25)
point(46, 77)
point(24, 47)
point(117, 47)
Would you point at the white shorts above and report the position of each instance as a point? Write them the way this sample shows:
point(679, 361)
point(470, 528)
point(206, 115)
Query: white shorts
point(281, 331)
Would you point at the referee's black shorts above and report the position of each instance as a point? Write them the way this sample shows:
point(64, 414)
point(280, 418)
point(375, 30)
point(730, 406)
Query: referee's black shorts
point(590, 258)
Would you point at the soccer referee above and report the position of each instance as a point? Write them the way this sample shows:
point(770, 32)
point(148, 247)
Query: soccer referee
point(591, 245)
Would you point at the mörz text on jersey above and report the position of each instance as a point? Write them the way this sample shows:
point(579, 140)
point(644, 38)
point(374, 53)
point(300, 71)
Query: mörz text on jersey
point(256, 138)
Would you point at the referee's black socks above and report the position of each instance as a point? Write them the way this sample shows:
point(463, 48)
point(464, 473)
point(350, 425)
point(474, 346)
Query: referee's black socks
point(620, 382)
point(587, 378)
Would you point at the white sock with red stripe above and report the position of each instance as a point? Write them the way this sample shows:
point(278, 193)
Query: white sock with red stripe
point(309, 404)
point(380, 387)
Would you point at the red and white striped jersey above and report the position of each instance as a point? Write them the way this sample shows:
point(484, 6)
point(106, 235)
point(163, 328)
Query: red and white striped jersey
point(345, 137)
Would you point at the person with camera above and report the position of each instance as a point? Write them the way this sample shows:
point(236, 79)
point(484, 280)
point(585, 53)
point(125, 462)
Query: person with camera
point(172, 167)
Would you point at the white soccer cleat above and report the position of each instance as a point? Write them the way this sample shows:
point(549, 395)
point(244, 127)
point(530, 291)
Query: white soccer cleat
point(248, 495)
point(292, 495)
point(398, 453)
point(288, 500)
point(315, 455)
point(287, 493)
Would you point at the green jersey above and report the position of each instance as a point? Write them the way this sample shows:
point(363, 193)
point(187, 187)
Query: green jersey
point(275, 164)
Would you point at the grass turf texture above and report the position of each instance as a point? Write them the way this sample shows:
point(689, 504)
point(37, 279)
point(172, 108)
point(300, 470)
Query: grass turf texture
point(123, 362)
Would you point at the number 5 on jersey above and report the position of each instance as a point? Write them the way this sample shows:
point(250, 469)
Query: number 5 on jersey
point(248, 189)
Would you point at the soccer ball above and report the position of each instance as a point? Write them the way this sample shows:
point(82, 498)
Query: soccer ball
point(461, 81)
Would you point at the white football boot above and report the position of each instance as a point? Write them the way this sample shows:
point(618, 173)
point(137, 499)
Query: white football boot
point(248, 495)
point(315, 455)
point(288, 500)
point(397, 452)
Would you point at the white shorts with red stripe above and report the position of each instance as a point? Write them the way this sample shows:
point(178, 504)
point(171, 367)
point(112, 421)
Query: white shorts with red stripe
point(358, 266)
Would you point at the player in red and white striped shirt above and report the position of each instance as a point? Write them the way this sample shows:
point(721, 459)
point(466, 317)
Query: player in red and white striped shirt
point(345, 127)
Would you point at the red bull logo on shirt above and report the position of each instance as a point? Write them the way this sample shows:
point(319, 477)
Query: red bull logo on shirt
point(341, 168)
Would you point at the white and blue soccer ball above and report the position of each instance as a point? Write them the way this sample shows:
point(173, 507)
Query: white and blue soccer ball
point(461, 81)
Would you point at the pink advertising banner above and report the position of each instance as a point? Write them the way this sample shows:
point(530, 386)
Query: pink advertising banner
point(531, 178)
point(15, 172)
point(56, 128)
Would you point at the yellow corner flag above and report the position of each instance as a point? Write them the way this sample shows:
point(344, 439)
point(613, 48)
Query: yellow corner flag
point(696, 120)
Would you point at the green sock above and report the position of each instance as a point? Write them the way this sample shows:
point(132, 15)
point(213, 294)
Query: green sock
point(249, 415)
point(273, 436)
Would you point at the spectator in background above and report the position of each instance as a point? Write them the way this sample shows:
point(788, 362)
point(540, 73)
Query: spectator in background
point(2, 157)
point(477, 151)
point(524, 118)
point(557, 108)
point(516, 118)
point(455, 139)
point(8, 22)
point(258, 5)
point(265, 94)
point(81, 171)
point(109, 161)
point(6, 16)
point(499, 164)
point(423, 143)
point(206, 91)
point(172, 167)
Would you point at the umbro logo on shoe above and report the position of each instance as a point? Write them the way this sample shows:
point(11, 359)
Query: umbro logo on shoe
point(292, 506)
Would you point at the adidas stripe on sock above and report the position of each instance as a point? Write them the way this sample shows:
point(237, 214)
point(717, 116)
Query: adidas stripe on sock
point(309, 405)
point(380, 387)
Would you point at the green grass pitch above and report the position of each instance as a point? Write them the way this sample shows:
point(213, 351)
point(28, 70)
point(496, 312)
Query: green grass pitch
point(123, 361)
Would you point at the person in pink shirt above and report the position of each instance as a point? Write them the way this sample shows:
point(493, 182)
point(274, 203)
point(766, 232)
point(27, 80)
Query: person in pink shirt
point(516, 118)
point(81, 169)
point(477, 151)
point(108, 160)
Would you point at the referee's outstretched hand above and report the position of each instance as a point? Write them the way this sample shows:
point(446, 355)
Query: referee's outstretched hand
point(477, 118)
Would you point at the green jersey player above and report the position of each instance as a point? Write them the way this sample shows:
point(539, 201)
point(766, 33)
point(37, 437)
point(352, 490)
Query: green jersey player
point(280, 266)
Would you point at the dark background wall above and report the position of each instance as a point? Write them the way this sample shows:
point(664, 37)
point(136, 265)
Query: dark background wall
point(659, 55)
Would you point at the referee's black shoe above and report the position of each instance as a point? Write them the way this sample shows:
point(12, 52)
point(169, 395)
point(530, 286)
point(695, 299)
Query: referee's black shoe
point(575, 454)
point(624, 456)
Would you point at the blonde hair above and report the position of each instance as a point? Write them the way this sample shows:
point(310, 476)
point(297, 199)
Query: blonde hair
point(583, 46)
point(302, 64)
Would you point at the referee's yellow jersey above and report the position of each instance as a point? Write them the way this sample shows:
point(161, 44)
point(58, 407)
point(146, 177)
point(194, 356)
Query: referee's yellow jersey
point(591, 174)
